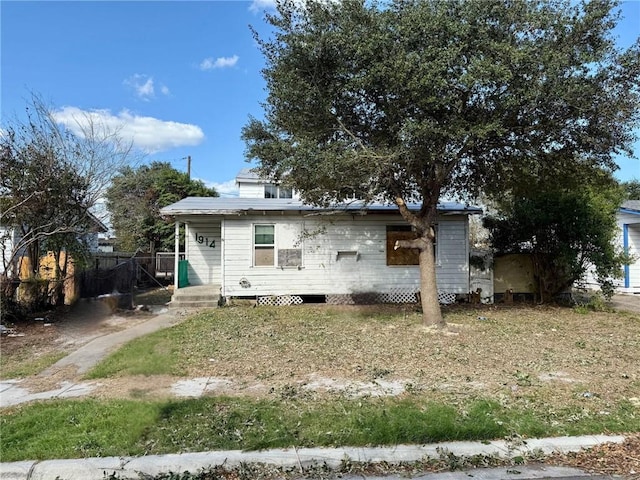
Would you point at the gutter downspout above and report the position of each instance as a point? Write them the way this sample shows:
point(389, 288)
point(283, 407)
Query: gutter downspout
point(625, 247)
point(177, 256)
point(222, 259)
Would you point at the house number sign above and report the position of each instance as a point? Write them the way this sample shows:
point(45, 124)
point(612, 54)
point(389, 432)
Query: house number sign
point(201, 239)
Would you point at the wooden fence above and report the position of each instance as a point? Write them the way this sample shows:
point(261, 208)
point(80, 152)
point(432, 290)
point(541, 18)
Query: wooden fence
point(100, 281)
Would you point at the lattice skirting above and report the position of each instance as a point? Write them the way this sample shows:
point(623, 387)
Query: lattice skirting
point(446, 298)
point(365, 298)
point(280, 300)
point(371, 298)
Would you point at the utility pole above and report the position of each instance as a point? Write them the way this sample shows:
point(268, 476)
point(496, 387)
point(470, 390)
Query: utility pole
point(189, 166)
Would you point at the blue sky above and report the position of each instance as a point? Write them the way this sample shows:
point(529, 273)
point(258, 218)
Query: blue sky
point(182, 77)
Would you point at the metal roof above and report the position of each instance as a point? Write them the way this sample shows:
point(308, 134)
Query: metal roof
point(631, 206)
point(247, 175)
point(243, 206)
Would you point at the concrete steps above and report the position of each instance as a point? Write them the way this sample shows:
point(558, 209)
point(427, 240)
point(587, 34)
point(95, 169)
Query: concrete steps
point(201, 296)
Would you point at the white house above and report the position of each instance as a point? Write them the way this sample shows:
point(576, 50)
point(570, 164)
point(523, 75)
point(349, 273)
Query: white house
point(629, 223)
point(628, 241)
point(267, 243)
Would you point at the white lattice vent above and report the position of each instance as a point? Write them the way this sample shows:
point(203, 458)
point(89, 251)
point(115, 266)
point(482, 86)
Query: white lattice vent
point(398, 296)
point(445, 298)
point(280, 300)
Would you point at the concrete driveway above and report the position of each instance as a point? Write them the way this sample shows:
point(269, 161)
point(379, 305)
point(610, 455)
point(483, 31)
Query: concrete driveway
point(628, 302)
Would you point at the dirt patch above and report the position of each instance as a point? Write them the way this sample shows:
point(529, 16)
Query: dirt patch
point(34, 344)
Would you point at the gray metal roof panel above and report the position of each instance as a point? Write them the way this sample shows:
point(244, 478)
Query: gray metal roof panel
point(247, 175)
point(231, 206)
point(632, 205)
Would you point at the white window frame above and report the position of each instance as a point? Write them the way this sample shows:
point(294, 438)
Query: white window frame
point(276, 191)
point(264, 246)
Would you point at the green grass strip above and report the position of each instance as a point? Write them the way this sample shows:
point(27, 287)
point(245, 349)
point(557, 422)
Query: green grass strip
point(85, 428)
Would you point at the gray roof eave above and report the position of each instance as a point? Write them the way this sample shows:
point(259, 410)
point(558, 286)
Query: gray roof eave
point(243, 206)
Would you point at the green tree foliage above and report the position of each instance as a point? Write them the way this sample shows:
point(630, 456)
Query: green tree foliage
point(632, 189)
point(565, 232)
point(135, 198)
point(411, 100)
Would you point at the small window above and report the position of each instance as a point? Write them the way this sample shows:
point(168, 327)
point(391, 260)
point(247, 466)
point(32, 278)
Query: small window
point(264, 246)
point(270, 191)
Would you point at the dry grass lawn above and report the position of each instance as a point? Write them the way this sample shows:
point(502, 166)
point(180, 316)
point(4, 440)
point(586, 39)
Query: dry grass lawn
point(556, 357)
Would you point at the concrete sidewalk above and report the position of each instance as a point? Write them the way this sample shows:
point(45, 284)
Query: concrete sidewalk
point(154, 465)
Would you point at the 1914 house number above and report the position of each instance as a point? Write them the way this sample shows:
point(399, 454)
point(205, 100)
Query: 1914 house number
point(205, 241)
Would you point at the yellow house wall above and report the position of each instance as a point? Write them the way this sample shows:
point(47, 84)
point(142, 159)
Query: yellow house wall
point(514, 271)
point(47, 272)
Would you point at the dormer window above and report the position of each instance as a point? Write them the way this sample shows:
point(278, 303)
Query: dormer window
point(274, 191)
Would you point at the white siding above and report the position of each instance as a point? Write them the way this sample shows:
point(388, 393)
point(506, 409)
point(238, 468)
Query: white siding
point(9, 238)
point(633, 236)
point(633, 232)
point(203, 248)
point(251, 190)
point(323, 271)
point(6, 245)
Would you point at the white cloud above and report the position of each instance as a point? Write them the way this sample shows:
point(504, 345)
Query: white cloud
point(148, 134)
point(144, 86)
point(261, 5)
point(220, 62)
point(225, 189)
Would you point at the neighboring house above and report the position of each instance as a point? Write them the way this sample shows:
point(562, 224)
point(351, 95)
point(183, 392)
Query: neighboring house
point(12, 251)
point(628, 240)
point(267, 243)
point(9, 238)
point(629, 222)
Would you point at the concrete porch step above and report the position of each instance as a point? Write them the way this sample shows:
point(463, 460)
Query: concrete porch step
point(200, 296)
point(189, 304)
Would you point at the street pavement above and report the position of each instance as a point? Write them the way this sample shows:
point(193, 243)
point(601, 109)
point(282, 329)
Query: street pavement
point(154, 465)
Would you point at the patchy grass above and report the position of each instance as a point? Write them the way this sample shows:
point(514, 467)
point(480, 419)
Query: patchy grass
point(25, 365)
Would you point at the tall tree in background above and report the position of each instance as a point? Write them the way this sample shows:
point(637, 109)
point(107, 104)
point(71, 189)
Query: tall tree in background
point(411, 100)
point(135, 198)
point(632, 189)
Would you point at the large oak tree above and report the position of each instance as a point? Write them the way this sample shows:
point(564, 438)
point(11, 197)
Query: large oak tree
point(410, 100)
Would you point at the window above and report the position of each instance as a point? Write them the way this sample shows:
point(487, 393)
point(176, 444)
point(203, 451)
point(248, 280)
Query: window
point(264, 245)
point(277, 245)
point(404, 256)
point(270, 191)
point(274, 191)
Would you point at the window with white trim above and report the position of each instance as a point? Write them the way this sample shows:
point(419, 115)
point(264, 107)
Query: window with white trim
point(275, 191)
point(277, 245)
point(264, 245)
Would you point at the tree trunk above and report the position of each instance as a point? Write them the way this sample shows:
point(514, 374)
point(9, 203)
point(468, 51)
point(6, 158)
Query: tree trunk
point(431, 313)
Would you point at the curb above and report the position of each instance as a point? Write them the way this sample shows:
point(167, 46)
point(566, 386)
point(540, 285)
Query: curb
point(153, 465)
